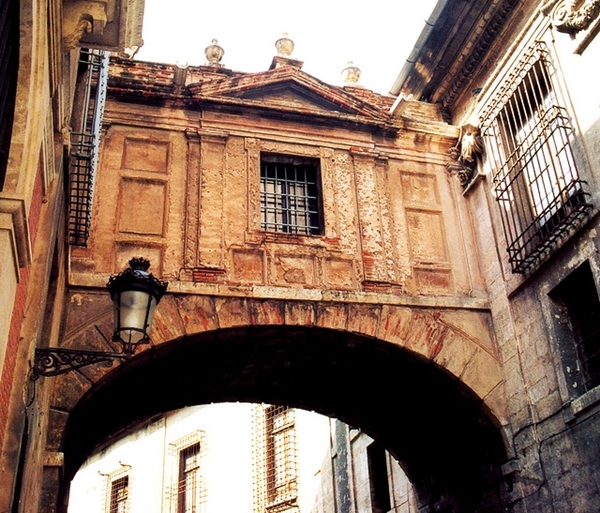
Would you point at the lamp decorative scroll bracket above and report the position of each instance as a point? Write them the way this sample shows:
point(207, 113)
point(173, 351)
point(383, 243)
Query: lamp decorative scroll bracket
point(463, 157)
point(573, 16)
point(135, 294)
point(55, 361)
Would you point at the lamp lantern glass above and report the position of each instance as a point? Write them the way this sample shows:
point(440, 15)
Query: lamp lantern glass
point(135, 294)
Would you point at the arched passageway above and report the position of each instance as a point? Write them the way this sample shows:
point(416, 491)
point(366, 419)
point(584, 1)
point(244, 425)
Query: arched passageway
point(446, 440)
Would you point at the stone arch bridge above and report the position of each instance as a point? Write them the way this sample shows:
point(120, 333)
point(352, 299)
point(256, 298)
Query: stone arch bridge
point(424, 381)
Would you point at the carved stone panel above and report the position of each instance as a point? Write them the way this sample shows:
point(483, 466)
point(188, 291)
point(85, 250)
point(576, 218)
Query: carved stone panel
point(432, 280)
point(370, 222)
point(419, 189)
point(426, 236)
point(210, 244)
point(145, 155)
point(142, 206)
point(339, 274)
point(248, 266)
point(293, 270)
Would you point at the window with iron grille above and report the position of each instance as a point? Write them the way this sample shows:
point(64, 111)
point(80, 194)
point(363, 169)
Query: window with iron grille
point(577, 317)
point(281, 460)
point(290, 195)
point(119, 495)
point(188, 500)
point(528, 134)
point(187, 492)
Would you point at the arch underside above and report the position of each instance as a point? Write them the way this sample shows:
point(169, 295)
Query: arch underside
point(441, 432)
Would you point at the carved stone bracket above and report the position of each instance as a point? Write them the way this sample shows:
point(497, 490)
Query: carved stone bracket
point(463, 157)
point(13, 218)
point(573, 16)
point(71, 41)
point(103, 24)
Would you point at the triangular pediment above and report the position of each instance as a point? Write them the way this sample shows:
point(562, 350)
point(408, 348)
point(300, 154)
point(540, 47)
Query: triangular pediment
point(293, 94)
point(288, 90)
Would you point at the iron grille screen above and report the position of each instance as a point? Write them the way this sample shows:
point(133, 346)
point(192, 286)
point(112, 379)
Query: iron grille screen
point(536, 183)
point(289, 201)
point(189, 487)
point(119, 495)
point(282, 469)
point(83, 158)
point(187, 491)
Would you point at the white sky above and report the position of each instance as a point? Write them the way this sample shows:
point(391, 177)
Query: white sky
point(377, 35)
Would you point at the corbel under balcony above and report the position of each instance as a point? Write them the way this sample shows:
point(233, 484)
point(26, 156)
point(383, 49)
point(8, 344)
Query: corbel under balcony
point(111, 25)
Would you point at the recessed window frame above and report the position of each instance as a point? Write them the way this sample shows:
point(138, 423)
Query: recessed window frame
point(187, 491)
point(281, 459)
point(379, 485)
point(536, 181)
point(290, 195)
point(118, 490)
point(576, 316)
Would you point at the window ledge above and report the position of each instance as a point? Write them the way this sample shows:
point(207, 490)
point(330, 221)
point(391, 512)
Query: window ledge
point(262, 237)
point(585, 401)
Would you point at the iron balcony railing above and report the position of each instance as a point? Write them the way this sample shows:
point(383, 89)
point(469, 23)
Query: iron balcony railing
point(83, 157)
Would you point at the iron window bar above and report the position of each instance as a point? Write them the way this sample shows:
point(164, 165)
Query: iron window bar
point(290, 198)
point(281, 459)
point(187, 491)
point(535, 178)
point(83, 157)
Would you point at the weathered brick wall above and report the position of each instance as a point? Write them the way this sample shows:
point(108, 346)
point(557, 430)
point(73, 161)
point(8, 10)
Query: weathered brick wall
point(7, 381)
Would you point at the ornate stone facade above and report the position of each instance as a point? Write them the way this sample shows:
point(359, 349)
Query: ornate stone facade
point(389, 296)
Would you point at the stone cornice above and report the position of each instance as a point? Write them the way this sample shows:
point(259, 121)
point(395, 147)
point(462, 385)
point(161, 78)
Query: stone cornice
point(469, 62)
point(452, 49)
point(272, 292)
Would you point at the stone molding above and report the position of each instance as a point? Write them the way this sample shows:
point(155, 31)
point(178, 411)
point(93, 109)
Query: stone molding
point(468, 63)
point(13, 218)
point(573, 16)
point(458, 341)
point(103, 24)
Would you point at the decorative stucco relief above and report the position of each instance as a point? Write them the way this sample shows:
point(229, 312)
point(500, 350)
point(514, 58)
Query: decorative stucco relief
point(575, 15)
point(464, 156)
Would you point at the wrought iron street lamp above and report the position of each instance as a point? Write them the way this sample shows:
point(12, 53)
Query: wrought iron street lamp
point(135, 294)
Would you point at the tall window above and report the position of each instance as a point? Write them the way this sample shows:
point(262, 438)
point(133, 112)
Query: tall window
point(578, 328)
point(290, 201)
point(536, 182)
point(186, 492)
point(188, 498)
point(281, 459)
point(378, 478)
point(119, 495)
